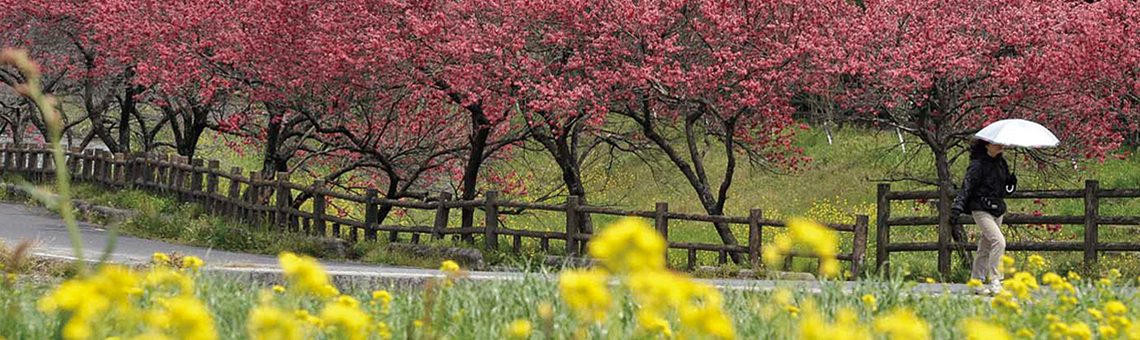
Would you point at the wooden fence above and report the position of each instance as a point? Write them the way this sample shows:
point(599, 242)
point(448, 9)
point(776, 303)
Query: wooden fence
point(272, 199)
point(1092, 193)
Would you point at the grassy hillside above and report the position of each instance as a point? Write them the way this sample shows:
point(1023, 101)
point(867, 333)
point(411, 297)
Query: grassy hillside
point(838, 184)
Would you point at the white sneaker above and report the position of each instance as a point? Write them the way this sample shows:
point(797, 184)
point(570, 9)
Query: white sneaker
point(995, 286)
point(982, 290)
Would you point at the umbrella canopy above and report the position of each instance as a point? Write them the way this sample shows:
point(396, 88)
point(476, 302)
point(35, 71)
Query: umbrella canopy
point(1018, 132)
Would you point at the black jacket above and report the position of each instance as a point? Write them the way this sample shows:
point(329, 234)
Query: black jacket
point(987, 182)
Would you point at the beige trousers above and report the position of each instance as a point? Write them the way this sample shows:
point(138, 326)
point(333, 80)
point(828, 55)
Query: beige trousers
point(991, 246)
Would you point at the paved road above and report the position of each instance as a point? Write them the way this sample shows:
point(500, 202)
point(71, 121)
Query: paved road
point(19, 222)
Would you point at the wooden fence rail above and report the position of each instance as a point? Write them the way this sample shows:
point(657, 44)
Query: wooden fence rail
point(273, 200)
point(1091, 220)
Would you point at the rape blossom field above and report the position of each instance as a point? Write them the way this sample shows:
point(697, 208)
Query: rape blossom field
point(630, 296)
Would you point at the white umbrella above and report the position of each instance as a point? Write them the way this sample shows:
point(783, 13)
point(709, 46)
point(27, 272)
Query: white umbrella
point(1018, 132)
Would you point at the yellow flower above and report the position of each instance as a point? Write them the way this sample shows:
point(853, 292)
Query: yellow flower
point(1105, 281)
point(160, 259)
point(705, 314)
point(930, 280)
point(1114, 273)
point(974, 283)
point(1058, 329)
point(1096, 314)
point(1037, 262)
point(86, 299)
point(163, 277)
point(279, 289)
point(304, 316)
point(653, 323)
point(772, 255)
point(306, 274)
point(1074, 277)
point(1005, 301)
point(902, 324)
point(980, 330)
point(1053, 280)
point(1115, 308)
point(846, 327)
point(348, 301)
point(1022, 284)
point(629, 246)
point(1024, 333)
point(350, 322)
point(791, 309)
point(869, 300)
point(190, 319)
point(822, 241)
point(270, 323)
point(1106, 331)
point(383, 331)
point(586, 292)
point(383, 299)
point(449, 266)
point(1080, 330)
point(192, 263)
point(1120, 322)
point(519, 329)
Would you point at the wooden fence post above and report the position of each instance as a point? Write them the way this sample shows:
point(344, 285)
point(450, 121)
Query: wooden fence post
point(883, 236)
point(162, 177)
point(20, 162)
point(250, 196)
point(88, 164)
point(234, 201)
point(859, 248)
point(491, 226)
point(572, 225)
point(196, 180)
point(661, 223)
point(371, 214)
point(180, 177)
point(442, 214)
point(49, 164)
point(72, 161)
point(1092, 216)
point(119, 177)
point(212, 185)
point(755, 238)
point(129, 170)
point(100, 174)
point(284, 200)
point(318, 207)
point(4, 156)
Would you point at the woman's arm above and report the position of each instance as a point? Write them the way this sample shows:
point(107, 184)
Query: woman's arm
point(968, 185)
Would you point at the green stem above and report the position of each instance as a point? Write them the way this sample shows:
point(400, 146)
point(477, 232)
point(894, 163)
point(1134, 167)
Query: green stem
point(63, 178)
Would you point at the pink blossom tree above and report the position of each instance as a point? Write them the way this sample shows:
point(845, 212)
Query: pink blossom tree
point(941, 70)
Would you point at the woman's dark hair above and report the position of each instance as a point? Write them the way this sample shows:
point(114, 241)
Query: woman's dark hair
point(978, 149)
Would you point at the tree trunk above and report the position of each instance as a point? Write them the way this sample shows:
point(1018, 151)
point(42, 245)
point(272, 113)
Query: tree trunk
point(480, 131)
point(272, 159)
point(126, 110)
point(945, 199)
point(695, 173)
point(568, 163)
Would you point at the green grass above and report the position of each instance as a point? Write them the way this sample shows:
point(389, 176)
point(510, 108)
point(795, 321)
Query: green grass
point(482, 310)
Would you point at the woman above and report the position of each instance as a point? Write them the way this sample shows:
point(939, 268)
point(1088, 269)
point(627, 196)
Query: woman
point(987, 182)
